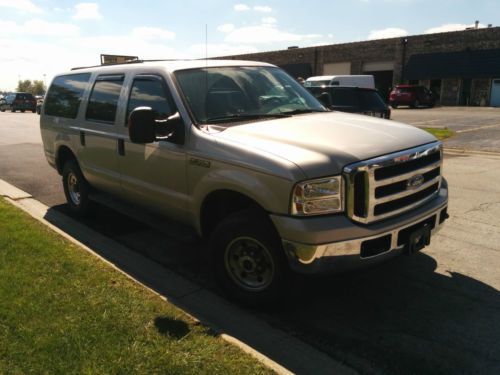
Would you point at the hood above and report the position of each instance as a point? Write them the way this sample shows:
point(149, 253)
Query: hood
point(321, 144)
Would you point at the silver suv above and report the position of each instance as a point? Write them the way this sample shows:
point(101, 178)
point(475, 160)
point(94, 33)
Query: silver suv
point(245, 155)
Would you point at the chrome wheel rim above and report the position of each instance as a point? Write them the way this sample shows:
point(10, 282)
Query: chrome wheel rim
point(74, 189)
point(249, 264)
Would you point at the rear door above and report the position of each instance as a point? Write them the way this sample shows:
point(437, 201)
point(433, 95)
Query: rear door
point(99, 134)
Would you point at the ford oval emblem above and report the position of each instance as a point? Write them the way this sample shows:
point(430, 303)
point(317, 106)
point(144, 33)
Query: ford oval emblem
point(415, 182)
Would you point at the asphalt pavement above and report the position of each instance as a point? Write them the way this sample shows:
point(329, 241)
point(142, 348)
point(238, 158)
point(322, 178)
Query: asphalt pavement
point(437, 311)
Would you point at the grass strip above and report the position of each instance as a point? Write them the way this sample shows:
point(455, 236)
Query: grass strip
point(440, 133)
point(64, 311)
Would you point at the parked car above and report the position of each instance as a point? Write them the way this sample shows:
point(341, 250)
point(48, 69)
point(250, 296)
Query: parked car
point(245, 155)
point(341, 80)
point(352, 99)
point(413, 96)
point(19, 101)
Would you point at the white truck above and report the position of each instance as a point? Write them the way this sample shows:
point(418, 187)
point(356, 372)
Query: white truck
point(364, 81)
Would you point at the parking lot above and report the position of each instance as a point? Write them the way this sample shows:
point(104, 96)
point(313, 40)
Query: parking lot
point(437, 311)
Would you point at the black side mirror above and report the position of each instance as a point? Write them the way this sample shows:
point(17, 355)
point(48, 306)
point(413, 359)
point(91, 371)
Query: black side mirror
point(141, 125)
point(325, 99)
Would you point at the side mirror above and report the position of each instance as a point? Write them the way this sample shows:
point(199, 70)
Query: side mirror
point(141, 125)
point(325, 99)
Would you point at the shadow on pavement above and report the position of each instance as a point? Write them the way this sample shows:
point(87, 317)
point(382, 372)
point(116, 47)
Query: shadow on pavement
point(401, 317)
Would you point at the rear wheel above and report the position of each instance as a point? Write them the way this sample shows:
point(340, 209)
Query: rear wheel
point(76, 188)
point(248, 258)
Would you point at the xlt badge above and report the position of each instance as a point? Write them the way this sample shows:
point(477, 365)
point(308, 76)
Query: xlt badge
point(199, 162)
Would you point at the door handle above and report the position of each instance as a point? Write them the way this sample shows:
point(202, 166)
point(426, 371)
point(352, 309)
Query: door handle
point(82, 138)
point(121, 147)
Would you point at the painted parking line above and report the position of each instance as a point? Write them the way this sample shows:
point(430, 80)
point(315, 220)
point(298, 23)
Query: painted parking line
point(478, 128)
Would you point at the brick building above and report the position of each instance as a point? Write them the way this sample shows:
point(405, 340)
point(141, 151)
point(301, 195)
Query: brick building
point(462, 67)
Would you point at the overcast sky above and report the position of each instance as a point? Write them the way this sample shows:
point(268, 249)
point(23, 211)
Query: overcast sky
point(43, 37)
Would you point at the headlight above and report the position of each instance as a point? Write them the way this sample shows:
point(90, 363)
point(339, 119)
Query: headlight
point(316, 197)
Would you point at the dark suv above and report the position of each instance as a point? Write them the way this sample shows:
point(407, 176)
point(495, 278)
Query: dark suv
point(352, 99)
point(19, 101)
point(413, 96)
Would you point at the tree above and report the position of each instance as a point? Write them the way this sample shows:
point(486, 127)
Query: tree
point(36, 87)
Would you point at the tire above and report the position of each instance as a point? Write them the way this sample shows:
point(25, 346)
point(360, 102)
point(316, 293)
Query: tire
point(394, 105)
point(22, 110)
point(248, 259)
point(33, 111)
point(76, 188)
point(415, 104)
point(12, 110)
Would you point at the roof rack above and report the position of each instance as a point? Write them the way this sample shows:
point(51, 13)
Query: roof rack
point(138, 61)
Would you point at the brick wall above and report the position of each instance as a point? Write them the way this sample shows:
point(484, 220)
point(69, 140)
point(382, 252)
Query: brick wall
point(393, 50)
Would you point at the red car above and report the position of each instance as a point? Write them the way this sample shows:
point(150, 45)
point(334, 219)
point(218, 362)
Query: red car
point(414, 96)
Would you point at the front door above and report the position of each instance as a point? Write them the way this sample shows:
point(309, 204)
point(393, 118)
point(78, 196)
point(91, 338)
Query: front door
point(154, 174)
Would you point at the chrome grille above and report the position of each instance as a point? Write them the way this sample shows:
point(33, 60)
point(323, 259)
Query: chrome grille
point(392, 184)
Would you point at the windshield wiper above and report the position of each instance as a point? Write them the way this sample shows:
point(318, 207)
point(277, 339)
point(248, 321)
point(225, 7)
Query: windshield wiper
point(300, 111)
point(243, 117)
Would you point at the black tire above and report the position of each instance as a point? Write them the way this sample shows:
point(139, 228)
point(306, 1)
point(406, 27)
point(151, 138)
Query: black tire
point(415, 104)
point(12, 110)
point(248, 259)
point(2, 110)
point(394, 105)
point(23, 110)
point(33, 110)
point(76, 188)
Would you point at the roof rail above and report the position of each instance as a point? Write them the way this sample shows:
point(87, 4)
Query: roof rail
point(130, 62)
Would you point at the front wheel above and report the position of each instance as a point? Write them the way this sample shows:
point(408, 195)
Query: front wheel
point(248, 258)
point(76, 188)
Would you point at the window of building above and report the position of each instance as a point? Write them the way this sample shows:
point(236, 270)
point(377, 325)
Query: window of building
point(65, 94)
point(104, 99)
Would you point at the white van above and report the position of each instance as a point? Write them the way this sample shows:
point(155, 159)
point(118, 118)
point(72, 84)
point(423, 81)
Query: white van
point(364, 81)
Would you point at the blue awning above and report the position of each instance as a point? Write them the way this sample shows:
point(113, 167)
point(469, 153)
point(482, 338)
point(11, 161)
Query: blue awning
point(461, 64)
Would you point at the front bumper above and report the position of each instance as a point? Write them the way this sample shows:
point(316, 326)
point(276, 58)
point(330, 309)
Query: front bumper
point(336, 244)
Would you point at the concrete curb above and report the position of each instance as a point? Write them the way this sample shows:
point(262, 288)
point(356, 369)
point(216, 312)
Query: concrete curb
point(285, 354)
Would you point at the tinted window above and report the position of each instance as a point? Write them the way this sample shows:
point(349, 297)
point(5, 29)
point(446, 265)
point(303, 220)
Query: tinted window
point(65, 93)
point(104, 99)
point(371, 100)
point(345, 98)
point(149, 93)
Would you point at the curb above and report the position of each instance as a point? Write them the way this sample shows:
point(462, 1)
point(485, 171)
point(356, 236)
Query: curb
point(285, 354)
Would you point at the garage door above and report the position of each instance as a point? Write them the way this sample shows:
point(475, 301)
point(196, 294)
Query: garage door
point(495, 93)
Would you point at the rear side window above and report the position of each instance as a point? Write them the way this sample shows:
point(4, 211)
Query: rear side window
point(345, 98)
point(104, 98)
point(371, 100)
point(65, 94)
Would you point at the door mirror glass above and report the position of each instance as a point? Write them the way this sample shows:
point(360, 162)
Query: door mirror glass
point(141, 125)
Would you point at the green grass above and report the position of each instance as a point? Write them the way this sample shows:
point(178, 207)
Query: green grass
point(439, 133)
point(63, 311)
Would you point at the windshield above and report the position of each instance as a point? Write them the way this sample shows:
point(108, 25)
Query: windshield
point(221, 94)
